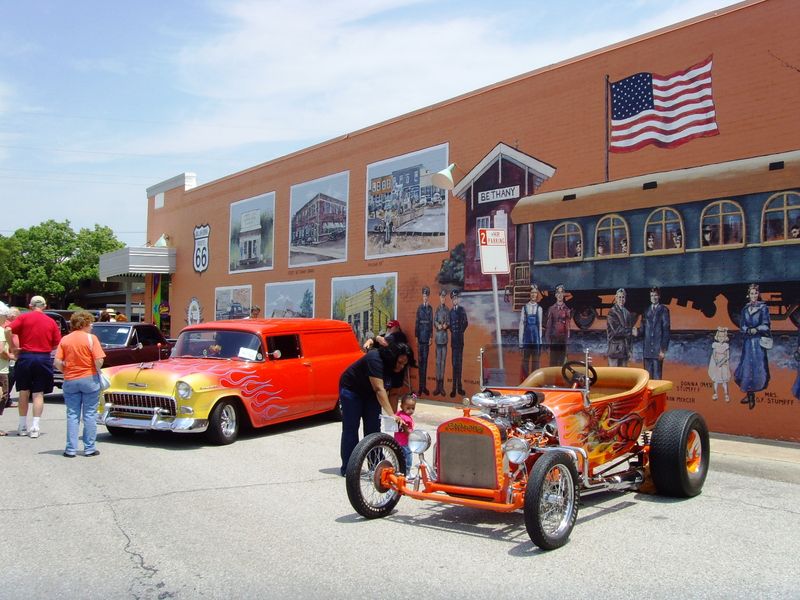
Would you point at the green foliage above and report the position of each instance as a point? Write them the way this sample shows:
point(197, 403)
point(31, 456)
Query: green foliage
point(307, 304)
point(452, 270)
point(52, 260)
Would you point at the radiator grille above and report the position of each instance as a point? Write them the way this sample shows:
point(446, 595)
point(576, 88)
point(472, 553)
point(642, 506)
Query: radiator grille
point(467, 459)
point(139, 404)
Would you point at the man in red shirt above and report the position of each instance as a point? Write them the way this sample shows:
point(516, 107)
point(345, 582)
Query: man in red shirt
point(38, 336)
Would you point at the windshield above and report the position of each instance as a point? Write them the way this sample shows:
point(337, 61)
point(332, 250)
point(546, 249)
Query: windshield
point(220, 344)
point(112, 336)
point(529, 366)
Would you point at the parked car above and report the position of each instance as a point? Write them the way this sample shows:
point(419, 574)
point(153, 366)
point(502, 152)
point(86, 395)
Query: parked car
point(63, 325)
point(539, 445)
point(224, 374)
point(126, 342)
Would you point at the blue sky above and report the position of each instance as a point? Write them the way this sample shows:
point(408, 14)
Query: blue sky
point(99, 100)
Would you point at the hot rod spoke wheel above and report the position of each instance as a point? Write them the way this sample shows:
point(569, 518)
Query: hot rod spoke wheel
point(370, 459)
point(679, 453)
point(551, 505)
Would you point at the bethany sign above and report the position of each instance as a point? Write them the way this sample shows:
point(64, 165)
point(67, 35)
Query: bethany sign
point(507, 193)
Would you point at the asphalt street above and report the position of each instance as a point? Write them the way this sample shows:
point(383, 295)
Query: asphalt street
point(167, 516)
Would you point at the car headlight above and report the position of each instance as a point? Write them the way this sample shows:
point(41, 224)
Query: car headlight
point(184, 390)
point(419, 441)
point(517, 450)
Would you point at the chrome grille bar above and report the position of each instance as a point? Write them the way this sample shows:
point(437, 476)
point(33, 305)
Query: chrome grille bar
point(140, 404)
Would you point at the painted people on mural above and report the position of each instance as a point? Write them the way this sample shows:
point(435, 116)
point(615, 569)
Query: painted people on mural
point(752, 374)
point(458, 325)
point(423, 330)
point(530, 333)
point(556, 328)
point(719, 368)
point(655, 330)
point(441, 323)
point(620, 331)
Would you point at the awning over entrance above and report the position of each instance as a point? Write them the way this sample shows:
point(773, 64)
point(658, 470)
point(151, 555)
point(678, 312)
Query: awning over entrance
point(772, 172)
point(129, 263)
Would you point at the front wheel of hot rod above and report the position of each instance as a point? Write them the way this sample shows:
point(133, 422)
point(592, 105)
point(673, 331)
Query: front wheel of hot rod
point(367, 495)
point(551, 500)
point(679, 453)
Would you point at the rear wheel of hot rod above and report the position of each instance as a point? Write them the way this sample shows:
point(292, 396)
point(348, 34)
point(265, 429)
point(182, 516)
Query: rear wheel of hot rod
point(679, 453)
point(551, 500)
point(373, 454)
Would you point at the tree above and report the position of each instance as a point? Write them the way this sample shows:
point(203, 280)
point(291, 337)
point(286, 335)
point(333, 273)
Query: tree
point(452, 270)
point(52, 260)
point(9, 265)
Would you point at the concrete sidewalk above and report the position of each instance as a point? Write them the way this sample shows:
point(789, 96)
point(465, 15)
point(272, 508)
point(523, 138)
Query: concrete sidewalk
point(769, 459)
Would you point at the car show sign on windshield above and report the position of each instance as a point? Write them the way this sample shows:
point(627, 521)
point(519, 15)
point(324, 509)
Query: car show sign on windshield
point(494, 251)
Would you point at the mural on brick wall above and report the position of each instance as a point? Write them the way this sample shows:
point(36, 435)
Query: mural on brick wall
point(366, 302)
point(289, 299)
point(406, 213)
point(252, 234)
point(318, 221)
point(233, 302)
point(702, 293)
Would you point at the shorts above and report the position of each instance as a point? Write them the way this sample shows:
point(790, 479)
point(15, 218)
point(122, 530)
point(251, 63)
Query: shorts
point(34, 372)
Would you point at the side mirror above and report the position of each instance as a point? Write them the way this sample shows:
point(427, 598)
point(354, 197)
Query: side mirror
point(275, 355)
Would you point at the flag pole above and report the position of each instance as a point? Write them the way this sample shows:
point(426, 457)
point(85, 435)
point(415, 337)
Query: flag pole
point(608, 132)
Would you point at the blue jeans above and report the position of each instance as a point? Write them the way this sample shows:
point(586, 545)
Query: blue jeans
point(354, 410)
point(409, 458)
point(81, 397)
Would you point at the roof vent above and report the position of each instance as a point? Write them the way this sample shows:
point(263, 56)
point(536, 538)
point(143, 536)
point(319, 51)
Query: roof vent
point(776, 166)
point(649, 185)
point(569, 196)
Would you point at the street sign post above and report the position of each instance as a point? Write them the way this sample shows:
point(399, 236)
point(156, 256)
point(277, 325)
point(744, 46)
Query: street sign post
point(494, 261)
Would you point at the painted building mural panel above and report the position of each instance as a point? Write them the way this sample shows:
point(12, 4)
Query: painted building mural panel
point(318, 224)
point(406, 213)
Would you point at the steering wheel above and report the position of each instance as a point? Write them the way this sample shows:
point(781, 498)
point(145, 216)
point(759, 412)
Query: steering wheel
point(574, 373)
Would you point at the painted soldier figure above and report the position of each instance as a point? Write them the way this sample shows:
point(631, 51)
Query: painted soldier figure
point(441, 323)
point(423, 330)
point(458, 325)
point(530, 333)
point(655, 329)
point(620, 331)
point(556, 328)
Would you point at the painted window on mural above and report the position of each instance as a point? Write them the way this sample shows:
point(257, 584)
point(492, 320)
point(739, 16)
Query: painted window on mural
point(566, 242)
point(722, 224)
point(781, 220)
point(611, 238)
point(664, 231)
point(481, 223)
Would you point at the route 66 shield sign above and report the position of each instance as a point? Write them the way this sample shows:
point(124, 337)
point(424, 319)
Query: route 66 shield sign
point(201, 234)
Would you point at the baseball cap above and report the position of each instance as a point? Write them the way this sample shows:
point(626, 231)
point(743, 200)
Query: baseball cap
point(38, 301)
point(393, 323)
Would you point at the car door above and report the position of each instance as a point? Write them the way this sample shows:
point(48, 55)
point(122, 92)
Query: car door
point(291, 372)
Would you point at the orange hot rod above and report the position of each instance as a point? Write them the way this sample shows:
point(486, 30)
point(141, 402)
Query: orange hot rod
point(538, 446)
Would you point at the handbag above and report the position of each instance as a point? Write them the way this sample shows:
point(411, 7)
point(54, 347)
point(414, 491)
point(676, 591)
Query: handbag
point(105, 382)
point(766, 342)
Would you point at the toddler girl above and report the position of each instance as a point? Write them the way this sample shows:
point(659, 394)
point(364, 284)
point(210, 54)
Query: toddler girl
point(406, 413)
point(719, 369)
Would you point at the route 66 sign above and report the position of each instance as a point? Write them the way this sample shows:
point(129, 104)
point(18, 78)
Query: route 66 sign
point(201, 234)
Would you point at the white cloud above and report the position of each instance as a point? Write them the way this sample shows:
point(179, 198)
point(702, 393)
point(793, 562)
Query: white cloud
point(311, 70)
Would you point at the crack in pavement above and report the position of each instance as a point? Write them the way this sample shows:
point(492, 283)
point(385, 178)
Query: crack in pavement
point(26, 509)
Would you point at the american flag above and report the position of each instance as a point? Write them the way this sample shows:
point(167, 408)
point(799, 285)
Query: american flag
point(663, 110)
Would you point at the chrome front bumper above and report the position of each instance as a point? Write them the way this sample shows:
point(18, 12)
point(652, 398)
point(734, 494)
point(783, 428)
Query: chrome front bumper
point(156, 423)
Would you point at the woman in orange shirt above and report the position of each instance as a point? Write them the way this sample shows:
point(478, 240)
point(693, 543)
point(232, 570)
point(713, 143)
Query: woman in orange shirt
point(80, 356)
